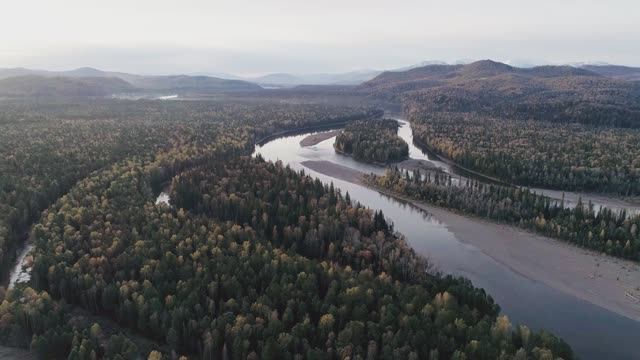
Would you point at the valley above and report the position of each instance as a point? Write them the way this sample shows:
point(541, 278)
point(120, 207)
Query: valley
point(291, 180)
point(511, 264)
point(184, 224)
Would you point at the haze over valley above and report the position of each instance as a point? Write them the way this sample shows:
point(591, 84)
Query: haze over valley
point(287, 180)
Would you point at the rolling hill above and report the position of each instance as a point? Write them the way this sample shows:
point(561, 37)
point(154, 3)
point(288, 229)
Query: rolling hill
point(285, 79)
point(41, 86)
point(615, 71)
point(553, 93)
point(138, 83)
point(191, 83)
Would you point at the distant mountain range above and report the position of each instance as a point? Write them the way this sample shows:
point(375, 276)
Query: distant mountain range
point(285, 79)
point(594, 94)
point(93, 82)
point(615, 71)
point(40, 86)
point(201, 82)
point(345, 78)
point(426, 74)
point(439, 74)
point(359, 77)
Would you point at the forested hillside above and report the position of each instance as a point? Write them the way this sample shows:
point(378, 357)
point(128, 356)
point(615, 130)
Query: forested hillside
point(374, 141)
point(545, 93)
point(192, 83)
point(45, 149)
point(571, 157)
point(21, 82)
point(40, 86)
point(556, 127)
point(615, 71)
point(254, 261)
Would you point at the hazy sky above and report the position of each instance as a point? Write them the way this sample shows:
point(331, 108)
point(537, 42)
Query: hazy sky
point(252, 37)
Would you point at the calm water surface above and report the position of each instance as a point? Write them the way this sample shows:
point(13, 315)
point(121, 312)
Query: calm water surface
point(593, 332)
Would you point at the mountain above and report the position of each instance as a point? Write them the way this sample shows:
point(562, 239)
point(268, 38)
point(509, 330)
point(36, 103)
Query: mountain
point(420, 64)
point(278, 79)
point(42, 86)
point(80, 72)
point(89, 72)
point(12, 72)
point(191, 83)
point(615, 71)
point(483, 70)
point(345, 78)
point(198, 83)
point(554, 93)
point(221, 75)
point(285, 79)
point(170, 82)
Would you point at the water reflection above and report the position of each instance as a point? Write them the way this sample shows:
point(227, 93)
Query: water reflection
point(593, 332)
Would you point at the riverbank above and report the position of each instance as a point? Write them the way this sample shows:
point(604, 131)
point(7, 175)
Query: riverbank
point(417, 164)
point(337, 124)
point(460, 169)
point(21, 272)
point(314, 139)
point(607, 282)
point(617, 203)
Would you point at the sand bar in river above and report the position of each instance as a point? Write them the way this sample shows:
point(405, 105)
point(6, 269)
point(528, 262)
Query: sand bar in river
point(317, 138)
point(602, 280)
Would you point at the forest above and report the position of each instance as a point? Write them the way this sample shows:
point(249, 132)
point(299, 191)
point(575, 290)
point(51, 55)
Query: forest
point(557, 94)
point(46, 148)
point(374, 141)
point(573, 157)
point(600, 229)
point(254, 260)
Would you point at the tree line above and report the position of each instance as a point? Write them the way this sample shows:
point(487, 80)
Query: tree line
point(374, 141)
point(571, 157)
point(604, 230)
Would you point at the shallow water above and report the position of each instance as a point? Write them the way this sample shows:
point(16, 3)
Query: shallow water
point(163, 198)
point(593, 332)
point(21, 272)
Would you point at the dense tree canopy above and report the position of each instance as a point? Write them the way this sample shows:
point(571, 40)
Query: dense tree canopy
point(274, 266)
point(557, 94)
point(373, 141)
point(252, 260)
point(46, 148)
point(559, 156)
point(598, 229)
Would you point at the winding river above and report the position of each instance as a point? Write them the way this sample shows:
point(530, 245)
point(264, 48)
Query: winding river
point(532, 295)
point(529, 291)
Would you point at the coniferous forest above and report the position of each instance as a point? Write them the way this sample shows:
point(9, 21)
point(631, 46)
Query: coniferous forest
point(374, 141)
point(319, 180)
point(563, 156)
point(46, 148)
point(252, 259)
point(600, 229)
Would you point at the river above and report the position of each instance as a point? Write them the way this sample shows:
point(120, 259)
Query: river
point(593, 331)
point(570, 198)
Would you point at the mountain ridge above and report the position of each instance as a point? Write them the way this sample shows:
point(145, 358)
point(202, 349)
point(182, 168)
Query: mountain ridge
point(621, 72)
point(554, 93)
point(41, 86)
point(197, 83)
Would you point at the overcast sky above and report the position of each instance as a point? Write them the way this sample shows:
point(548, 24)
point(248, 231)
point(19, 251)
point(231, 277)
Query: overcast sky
point(303, 36)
